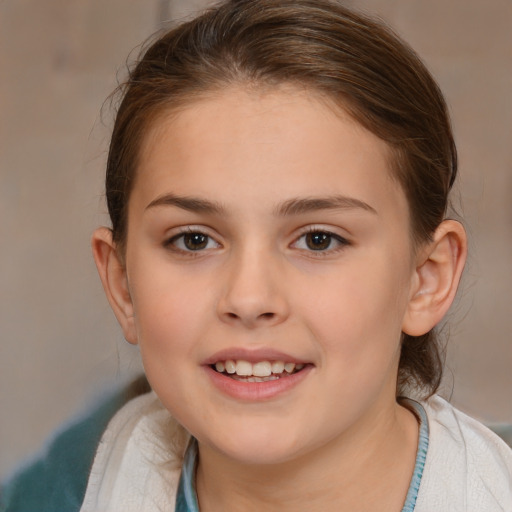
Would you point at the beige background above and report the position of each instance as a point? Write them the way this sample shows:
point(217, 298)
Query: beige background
point(61, 348)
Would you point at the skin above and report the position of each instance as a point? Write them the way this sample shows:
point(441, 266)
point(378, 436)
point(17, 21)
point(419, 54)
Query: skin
point(252, 161)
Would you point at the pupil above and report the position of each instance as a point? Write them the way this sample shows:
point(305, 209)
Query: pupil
point(195, 241)
point(318, 241)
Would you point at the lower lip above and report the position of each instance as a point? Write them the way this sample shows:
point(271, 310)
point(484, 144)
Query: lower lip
point(256, 391)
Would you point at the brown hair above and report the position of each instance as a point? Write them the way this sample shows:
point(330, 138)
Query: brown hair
point(321, 46)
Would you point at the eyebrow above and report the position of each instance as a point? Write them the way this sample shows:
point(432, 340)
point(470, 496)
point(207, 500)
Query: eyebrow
point(299, 206)
point(192, 204)
point(294, 206)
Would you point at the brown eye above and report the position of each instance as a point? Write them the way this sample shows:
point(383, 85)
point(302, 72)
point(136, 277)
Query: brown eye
point(318, 241)
point(322, 242)
point(195, 241)
point(191, 241)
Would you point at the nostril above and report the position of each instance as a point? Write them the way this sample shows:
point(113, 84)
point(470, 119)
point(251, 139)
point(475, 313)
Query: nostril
point(267, 315)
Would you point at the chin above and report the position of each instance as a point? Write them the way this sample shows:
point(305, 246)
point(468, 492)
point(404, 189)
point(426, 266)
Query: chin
point(257, 447)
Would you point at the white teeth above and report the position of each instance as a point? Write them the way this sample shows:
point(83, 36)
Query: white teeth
point(263, 369)
point(230, 366)
point(255, 379)
point(262, 379)
point(289, 367)
point(277, 367)
point(243, 368)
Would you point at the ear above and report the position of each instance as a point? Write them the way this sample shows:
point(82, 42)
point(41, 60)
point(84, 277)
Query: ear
point(436, 278)
point(112, 271)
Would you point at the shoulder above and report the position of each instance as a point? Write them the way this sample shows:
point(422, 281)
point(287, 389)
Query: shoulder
point(138, 461)
point(467, 465)
point(56, 479)
point(453, 430)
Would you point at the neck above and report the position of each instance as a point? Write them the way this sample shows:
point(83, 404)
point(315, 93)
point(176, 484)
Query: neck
point(364, 469)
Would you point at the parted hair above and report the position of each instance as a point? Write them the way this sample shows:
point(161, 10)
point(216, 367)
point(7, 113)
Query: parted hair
point(355, 61)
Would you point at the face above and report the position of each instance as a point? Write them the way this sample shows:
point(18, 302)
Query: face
point(269, 266)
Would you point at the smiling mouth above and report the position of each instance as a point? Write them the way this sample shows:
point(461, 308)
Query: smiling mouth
point(262, 371)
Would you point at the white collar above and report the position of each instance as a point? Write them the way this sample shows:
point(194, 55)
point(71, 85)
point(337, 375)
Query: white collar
point(138, 462)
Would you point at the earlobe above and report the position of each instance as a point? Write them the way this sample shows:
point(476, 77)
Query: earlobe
point(436, 278)
point(113, 276)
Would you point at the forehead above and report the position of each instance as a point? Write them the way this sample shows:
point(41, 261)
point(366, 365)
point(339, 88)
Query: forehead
point(263, 144)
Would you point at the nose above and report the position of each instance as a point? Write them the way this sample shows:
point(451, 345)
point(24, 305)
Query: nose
point(254, 291)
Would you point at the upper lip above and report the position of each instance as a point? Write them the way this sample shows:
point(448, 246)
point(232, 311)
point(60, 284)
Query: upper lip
point(252, 355)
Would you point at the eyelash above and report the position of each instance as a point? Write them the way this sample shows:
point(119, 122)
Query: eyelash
point(340, 242)
point(171, 242)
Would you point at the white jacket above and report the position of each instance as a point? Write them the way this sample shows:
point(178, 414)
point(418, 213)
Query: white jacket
point(467, 468)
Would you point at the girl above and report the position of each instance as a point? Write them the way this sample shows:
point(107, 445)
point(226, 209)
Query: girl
point(278, 181)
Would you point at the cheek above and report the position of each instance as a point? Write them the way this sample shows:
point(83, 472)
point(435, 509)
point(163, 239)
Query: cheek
point(168, 328)
point(359, 315)
point(169, 313)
